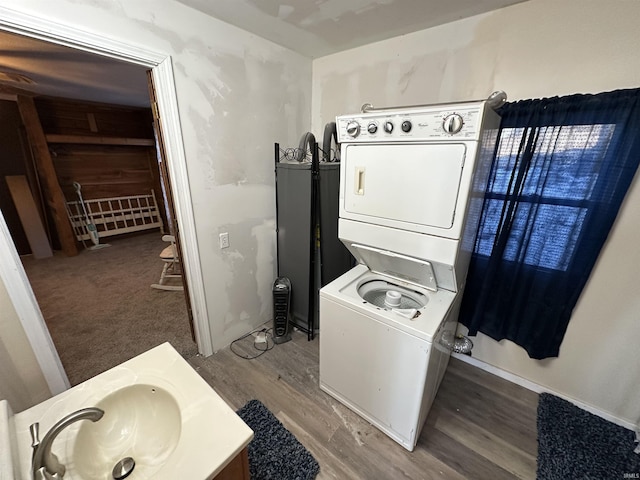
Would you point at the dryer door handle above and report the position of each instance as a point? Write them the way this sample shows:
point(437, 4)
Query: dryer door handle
point(359, 181)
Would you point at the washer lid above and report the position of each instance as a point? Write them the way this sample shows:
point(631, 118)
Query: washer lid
point(394, 265)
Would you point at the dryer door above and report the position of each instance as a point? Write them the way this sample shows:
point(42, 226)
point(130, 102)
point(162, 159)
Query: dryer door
point(415, 187)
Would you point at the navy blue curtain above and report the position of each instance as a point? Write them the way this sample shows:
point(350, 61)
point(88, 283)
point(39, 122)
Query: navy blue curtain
point(561, 170)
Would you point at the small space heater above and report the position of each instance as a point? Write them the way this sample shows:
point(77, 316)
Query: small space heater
point(281, 305)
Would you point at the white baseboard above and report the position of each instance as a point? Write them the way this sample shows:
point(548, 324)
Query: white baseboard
point(535, 387)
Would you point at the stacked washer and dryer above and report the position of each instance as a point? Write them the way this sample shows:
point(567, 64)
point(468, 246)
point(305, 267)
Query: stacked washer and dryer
point(412, 182)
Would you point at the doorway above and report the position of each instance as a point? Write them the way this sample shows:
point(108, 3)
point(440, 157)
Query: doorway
point(12, 272)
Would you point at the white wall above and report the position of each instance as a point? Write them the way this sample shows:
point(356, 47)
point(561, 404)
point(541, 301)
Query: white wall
point(237, 95)
point(539, 48)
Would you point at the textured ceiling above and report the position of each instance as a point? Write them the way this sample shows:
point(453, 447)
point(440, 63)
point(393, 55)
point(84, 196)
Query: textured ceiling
point(314, 28)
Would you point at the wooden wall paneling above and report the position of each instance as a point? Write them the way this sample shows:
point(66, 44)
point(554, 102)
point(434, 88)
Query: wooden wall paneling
point(46, 172)
point(93, 126)
point(98, 140)
point(107, 191)
point(103, 172)
point(58, 117)
point(105, 148)
point(133, 123)
point(64, 117)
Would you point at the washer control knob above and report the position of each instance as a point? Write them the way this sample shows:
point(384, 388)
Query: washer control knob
point(388, 126)
point(453, 123)
point(372, 128)
point(353, 129)
point(406, 126)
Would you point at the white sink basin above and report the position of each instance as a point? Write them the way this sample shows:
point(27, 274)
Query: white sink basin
point(158, 411)
point(140, 421)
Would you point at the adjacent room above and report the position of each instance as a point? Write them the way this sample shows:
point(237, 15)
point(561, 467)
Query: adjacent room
point(101, 306)
point(149, 239)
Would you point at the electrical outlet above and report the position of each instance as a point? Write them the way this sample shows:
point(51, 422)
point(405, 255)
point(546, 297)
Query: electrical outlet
point(224, 240)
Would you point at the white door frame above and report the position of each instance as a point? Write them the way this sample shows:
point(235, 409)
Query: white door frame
point(11, 271)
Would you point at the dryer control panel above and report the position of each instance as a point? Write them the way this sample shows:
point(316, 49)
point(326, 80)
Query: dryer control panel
point(455, 122)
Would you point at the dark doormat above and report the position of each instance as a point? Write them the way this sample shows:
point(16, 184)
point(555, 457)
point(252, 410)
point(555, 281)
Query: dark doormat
point(274, 453)
point(576, 444)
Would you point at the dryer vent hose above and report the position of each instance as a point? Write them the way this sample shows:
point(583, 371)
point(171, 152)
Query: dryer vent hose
point(462, 344)
point(307, 142)
point(330, 133)
point(456, 343)
point(330, 138)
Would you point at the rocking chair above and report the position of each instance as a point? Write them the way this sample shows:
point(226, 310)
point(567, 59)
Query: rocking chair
point(171, 268)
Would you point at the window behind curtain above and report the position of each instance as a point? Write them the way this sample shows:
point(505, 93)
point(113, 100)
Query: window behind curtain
point(560, 173)
point(559, 188)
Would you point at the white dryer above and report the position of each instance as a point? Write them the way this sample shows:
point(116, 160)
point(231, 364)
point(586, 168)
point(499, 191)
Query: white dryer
point(411, 189)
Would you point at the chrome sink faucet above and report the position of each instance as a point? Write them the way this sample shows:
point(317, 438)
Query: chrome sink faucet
point(45, 465)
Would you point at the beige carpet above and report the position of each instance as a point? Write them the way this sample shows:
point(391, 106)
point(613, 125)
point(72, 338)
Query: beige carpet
point(99, 306)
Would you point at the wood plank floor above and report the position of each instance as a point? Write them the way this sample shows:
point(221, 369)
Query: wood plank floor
point(479, 427)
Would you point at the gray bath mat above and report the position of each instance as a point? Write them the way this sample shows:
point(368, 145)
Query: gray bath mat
point(274, 453)
point(575, 444)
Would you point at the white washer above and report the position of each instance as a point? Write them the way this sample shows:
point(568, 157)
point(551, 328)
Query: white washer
point(379, 363)
point(411, 189)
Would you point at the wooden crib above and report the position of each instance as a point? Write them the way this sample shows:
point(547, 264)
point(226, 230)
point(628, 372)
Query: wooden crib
point(116, 215)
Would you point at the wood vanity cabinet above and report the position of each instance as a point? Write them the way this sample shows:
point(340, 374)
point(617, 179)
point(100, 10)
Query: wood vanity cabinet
point(237, 469)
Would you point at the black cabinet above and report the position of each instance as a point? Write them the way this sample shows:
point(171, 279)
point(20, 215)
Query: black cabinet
point(309, 252)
